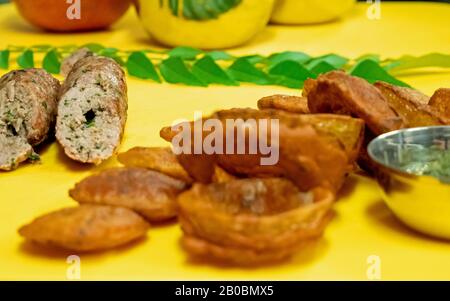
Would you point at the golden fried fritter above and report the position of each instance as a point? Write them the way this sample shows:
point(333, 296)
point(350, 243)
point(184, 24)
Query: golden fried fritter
point(299, 159)
point(349, 131)
point(203, 250)
point(258, 214)
point(339, 93)
point(200, 167)
point(167, 133)
point(408, 94)
point(440, 101)
point(292, 104)
point(86, 228)
point(149, 193)
point(160, 159)
point(410, 105)
point(221, 176)
point(309, 85)
point(301, 136)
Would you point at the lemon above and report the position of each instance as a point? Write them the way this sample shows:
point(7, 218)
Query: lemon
point(175, 25)
point(309, 11)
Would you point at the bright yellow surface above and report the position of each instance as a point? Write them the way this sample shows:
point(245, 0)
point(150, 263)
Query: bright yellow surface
point(363, 225)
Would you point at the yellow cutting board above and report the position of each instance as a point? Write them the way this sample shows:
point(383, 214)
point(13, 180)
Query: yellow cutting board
point(363, 239)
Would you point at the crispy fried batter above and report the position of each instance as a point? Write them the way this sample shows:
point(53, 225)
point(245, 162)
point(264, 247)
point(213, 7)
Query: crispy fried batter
point(200, 167)
point(160, 159)
point(309, 85)
point(250, 213)
point(86, 228)
point(204, 250)
point(440, 101)
point(338, 93)
point(167, 133)
point(221, 176)
point(299, 159)
point(292, 104)
point(408, 94)
point(246, 222)
point(349, 131)
point(301, 136)
point(410, 105)
point(150, 193)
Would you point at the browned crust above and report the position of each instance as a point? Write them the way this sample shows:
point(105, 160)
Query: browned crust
point(160, 159)
point(150, 193)
point(203, 250)
point(338, 93)
point(71, 60)
point(440, 101)
point(300, 161)
point(292, 104)
point(410, 105)
point(249, 213)
point(245, 222)
point(86, 228)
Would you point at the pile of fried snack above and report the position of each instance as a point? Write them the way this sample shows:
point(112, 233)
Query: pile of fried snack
point(231, 208)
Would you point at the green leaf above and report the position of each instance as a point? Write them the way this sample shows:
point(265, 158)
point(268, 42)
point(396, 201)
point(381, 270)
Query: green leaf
point(372, 72)
point(220, 55)
point(4, 59)
point(411, 62)
point(34, 157)
point(175, 71)
point(108, 51)
point(42, 47)
point(298, 57)
point(112, 53)
point(174, 6)
point(185, 53)
point(290, 74)
point(321, 67)
point(242, 70)
point(254, 59)
point(373, 57)
point(51, 62)
point(139, 65)
point(26, 59)
point(334, 60)
point(209, 72)
point(203, 9)
point(196, 11)
point(94, 47)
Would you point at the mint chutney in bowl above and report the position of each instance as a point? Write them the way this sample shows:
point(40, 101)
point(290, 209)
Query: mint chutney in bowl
point(414, 174)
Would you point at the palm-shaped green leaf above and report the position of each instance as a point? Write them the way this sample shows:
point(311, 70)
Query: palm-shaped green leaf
point(200, 9)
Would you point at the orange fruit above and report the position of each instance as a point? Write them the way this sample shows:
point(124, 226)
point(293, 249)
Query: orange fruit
point(63, 15)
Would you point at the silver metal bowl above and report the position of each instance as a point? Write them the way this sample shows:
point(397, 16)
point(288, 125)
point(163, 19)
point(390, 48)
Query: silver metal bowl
point(421, 202)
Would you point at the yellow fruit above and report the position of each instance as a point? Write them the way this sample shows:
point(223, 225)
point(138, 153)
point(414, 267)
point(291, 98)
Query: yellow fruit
point(53, 14)
point(231, 28)
point(309, 11)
